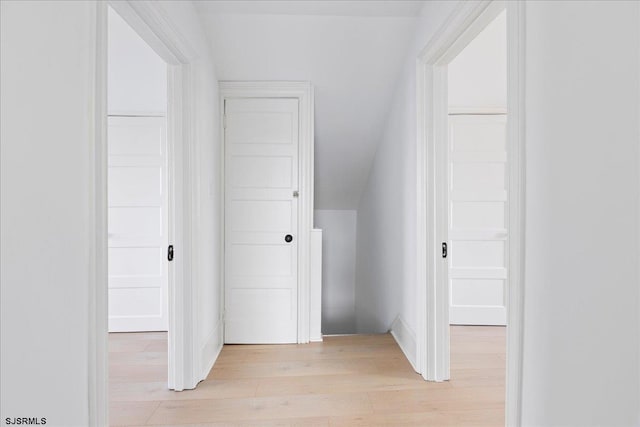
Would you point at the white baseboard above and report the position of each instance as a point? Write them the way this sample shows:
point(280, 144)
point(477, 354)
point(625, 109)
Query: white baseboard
point(406, 340)
point(211, 349)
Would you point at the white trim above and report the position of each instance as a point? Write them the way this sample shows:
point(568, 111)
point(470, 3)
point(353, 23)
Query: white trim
point(98, 394)
point(315, 286)
point(484, 110)
point(153, 25)
point(150, 21)
point(516, 163)
point(441, 219)
point(638, 207)
point(432, 347)
point(406, 339)
point(123, 113)
point(303, 91)
point(183, 366)
point(210, 349)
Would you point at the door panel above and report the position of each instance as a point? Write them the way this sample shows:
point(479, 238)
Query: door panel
point(477, 253)
point(261, 172)
point(135, 185)
point(477, 292)
point(256, 215)
point(261, 175)
point(141, 221)
point(477, 219)
point(474, 215)
point(273, 127)
point(138, 273)
point(253, 259)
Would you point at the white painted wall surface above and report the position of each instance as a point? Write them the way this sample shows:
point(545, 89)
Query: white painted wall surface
point(137, 82)
point(338, 270)
point(46, 52)
point(478, 75)
point(581, 358)
point(208, 188)
point(46, 101)
point(386, 243)
point(581, 350)
point(353, 63)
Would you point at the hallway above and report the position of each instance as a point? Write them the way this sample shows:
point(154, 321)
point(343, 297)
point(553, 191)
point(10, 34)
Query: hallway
point(343, 381)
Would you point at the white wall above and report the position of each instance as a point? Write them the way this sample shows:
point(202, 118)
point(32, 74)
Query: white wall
point(208, 188)
point(46, 101)
point(137, 77)
point(581, 350)
point(478, 75)
point(352, 62)
point(386, 242)
point(45, 85)
point(338, 270)
point(582, 141)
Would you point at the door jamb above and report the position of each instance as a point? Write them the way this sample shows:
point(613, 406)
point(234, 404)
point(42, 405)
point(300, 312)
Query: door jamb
point(303, 91)
point(151, 22)
point(432, 352)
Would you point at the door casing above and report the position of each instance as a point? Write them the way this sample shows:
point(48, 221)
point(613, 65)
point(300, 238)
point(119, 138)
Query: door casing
point(184, 370)
point(303, 91)
point(465, 22)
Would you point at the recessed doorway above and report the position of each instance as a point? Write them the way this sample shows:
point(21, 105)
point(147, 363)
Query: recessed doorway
point(470, 257)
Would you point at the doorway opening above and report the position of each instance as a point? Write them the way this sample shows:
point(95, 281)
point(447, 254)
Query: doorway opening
point(138, 222)
point(139, 216)
point(478, 209)
point(470, 190)
point(268, 169)
point(185, 365)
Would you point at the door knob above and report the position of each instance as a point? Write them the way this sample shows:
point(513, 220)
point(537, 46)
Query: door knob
point(288, 238)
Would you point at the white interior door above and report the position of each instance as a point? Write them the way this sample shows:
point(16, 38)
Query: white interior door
point(261, 210)
point(138, 271)
point(478, 219)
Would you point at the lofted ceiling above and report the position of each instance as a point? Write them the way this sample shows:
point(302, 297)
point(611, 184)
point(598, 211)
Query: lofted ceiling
point(351, 51)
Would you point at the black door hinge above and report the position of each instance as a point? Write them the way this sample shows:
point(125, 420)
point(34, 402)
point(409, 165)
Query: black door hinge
point(444, 249)
point(170, 253)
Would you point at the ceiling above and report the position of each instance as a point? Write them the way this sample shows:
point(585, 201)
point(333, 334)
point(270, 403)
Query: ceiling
point(351, 51)
point(309, 7)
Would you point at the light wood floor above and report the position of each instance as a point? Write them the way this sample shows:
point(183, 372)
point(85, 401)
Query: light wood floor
point(360, 380)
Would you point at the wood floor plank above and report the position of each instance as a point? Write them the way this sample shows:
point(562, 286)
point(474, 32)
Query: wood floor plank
point(322, 384)
point(261, 408)
point(139, 358)
point(250, 369)
point(149, 391)
point(289, 422)
point(136, 373)
point(360, 380)
point(131, 413)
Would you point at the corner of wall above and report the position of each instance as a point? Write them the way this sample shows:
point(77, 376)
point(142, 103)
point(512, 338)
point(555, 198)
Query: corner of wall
point(406, 339)
point(210, 349)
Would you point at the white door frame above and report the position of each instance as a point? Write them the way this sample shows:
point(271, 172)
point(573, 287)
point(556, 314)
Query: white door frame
point(149, 20)
point(464, 23)
point(303, 92)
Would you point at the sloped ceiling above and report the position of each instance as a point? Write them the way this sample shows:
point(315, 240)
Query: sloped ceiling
point(351, 51)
